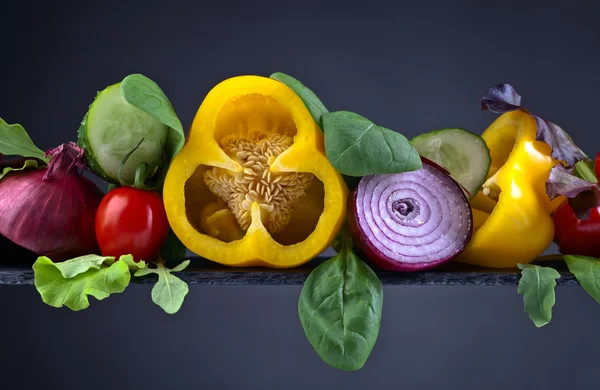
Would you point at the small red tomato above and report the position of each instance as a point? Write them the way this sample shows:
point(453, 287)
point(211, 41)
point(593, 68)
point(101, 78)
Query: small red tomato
point(574, 236)
point(131, 221)
point(597, 165)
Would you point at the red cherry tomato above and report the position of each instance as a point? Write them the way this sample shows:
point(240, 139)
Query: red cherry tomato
point(131, 221)
point(597, 165)
point(575, 236)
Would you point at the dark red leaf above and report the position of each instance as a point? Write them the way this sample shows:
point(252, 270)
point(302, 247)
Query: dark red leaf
point(563, 147)
point(501, 98)
point(563, 182)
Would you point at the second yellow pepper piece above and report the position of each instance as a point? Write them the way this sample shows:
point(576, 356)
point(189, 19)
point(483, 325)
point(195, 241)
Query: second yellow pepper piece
point(512, 212)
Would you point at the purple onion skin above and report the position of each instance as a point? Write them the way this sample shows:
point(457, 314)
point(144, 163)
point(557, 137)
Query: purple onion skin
point(370, 251)
point(51, 214)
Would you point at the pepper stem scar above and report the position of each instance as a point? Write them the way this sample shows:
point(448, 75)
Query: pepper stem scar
point(491, 188)
point(276, 193)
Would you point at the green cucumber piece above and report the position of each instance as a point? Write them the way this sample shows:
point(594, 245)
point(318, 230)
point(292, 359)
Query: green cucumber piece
point(464, 154)
point(112, 128)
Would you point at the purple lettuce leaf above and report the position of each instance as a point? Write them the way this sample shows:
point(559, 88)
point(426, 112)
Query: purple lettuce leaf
point(563, 182)
point(501, 98)
point(563, 147)
point(582, 195)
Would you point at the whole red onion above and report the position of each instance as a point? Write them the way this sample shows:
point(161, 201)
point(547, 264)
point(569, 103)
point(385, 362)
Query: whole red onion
point(51, 211)
point(410, 221)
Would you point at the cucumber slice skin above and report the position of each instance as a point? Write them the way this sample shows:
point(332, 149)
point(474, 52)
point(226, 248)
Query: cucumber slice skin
point(92, 159)
point(459, 139)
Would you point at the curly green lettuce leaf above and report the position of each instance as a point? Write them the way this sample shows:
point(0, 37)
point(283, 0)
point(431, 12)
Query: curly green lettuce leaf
point(131, 263)
point(170, 291)
point(22, 165)
point(537, 287)
point(69, 283)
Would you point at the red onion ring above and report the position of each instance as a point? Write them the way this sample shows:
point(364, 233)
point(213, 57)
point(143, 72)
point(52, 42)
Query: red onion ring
point(410, 221)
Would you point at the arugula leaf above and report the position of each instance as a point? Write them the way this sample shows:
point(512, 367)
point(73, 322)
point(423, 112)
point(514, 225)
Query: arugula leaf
point(587, 272)
point(143, 93)
point(69, 283)
point(355, 146)
point(27, 164)
point(314, 105)
point(537, 286)
point(14, 141)
point(340, 309)
point(170, 291)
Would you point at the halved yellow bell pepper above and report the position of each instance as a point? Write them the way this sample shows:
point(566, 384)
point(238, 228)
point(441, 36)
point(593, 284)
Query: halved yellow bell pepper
point(252, 185)
point(512, 212)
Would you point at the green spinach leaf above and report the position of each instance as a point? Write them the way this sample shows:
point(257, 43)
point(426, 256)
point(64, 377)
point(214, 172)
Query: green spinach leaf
point(340, 310)
point(314, 105)
point(14, 141)
point(537, 286)
point(355, 146)
point(143, 93)
point(587, 272)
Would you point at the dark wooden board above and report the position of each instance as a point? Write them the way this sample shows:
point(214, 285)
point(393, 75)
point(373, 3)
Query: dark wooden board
point(205, 272)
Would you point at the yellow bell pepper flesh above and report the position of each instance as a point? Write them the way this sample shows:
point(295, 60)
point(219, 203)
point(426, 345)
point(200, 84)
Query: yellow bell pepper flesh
point(218, 221)
point(517, 227)
point(216, 204)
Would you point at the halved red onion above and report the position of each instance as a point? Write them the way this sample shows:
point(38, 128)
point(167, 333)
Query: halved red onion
point(410, 221)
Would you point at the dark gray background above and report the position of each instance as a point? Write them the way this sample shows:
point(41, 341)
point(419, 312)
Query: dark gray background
point(413, 68)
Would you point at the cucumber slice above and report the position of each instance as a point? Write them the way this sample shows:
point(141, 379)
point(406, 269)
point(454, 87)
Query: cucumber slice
point(112, 128)
point(464, 154)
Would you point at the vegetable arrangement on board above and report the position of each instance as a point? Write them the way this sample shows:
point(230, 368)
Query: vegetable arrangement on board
point(268, 176)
